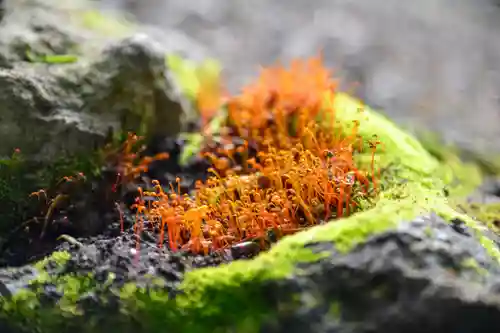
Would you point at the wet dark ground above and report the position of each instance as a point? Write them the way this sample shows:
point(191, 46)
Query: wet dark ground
point(98, 210)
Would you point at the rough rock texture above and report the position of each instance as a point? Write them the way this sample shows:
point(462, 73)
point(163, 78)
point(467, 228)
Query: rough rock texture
point(431, 63)
point(105, 255)
point(426, 276)
point(63, 85)
point(131, 80)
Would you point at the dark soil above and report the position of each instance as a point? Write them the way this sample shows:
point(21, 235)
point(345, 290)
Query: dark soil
point(92, 215)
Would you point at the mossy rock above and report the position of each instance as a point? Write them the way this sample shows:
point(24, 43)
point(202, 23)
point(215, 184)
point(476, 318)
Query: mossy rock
point(71, 80)
point(243, 296)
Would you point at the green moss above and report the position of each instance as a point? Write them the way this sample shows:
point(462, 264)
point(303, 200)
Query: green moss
point(398, 147)
point(462, 177)
point(189, 74)
point(13, 196)
point(58, 258)
point(335, 310)
point(105, 23)
point(471, 263)
point(20, 176)
point(233, 297)
point(487, 213)
point(449, 213)
point(52, 58)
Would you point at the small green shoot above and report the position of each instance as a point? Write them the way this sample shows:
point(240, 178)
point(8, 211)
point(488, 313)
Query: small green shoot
point(51, 58)
point(194, 141)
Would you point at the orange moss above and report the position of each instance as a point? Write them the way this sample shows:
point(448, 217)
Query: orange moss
point(281, 96)
point(293, 190)
point(128, 160)
point(302, 175)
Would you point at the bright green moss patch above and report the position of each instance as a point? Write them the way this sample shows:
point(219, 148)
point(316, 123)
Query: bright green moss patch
point(234, 297)
point(488, 213)
point(397, 145)
point(107, 24)
point(461, 177)
point(189, 74)
point(52, 58)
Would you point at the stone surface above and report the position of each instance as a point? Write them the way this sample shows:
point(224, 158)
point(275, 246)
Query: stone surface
point(131, 80)
point(425, 276)
point(64, 83)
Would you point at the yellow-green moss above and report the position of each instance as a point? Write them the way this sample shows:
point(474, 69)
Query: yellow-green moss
point(105, 23)
point(471, 263)
point(335, 310)
point(189, 74)
point(487, 213)
point(233, 297)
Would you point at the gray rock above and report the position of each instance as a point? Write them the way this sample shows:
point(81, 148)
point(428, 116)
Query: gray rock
point(48, 107)
point(37, 122)
point(13, 280)
point(132, 80)
point(44, 29)
point(424, 276)
point(29, 118)
point(2, 10)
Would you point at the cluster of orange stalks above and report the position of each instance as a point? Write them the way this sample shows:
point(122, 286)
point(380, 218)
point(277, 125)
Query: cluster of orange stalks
point(303, 174)
point(126, 158)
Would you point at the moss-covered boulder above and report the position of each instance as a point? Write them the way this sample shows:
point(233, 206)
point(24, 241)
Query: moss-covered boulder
point(410, 263)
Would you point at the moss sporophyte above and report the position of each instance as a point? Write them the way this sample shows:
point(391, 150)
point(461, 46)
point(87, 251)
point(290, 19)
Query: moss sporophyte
point(304, 155)
point(285, 157)
point(288, 171)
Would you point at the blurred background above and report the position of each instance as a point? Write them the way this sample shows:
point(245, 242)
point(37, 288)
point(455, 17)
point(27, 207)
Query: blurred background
point(429, 64)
